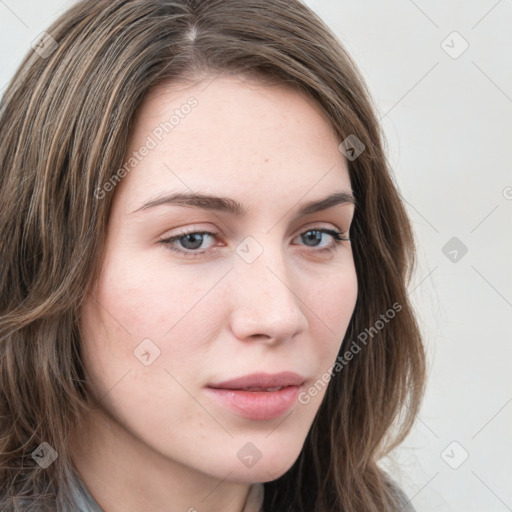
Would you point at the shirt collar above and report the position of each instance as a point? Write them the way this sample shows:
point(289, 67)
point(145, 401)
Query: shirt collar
point(86, 503)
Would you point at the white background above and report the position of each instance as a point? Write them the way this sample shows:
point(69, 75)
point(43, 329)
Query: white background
point(448, 123)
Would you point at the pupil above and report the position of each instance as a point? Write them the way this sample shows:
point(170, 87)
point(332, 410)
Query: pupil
point(194, 241)
point(316, 236)
point(195, 244)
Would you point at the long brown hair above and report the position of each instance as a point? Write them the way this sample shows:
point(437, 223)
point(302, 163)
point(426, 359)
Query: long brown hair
point(65, 120)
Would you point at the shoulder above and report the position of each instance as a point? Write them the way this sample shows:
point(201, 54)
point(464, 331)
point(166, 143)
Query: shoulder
point(403, 500)
point(84, 501)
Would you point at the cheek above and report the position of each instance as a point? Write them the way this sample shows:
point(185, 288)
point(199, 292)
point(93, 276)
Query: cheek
point(333, 303)
point(143, 308)
point(130, 318)
point(148, 295)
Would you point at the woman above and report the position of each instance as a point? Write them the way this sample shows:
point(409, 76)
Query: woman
point(204, 300)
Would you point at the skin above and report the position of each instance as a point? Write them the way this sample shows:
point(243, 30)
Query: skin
point(157, 441)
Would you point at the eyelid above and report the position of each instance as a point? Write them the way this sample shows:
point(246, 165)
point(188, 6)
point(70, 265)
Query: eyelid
point(338, 237)
point(196, 228)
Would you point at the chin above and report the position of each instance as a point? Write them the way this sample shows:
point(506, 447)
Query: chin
point(269, 464)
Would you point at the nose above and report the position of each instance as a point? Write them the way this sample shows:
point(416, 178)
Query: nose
point(266, 305)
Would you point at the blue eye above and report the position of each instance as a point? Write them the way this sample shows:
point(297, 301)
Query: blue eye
point(192, 240)
point(318, 233)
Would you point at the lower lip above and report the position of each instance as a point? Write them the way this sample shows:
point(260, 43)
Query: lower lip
point(257, 405)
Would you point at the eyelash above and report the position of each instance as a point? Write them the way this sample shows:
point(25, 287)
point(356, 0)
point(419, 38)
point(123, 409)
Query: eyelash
point(338, 238)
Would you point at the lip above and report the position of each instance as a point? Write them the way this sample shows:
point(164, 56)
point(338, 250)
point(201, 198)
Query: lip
point(258, 404)
point(262, 380)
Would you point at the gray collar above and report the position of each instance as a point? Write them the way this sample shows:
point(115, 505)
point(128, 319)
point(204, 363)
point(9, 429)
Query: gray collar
point(86, 503)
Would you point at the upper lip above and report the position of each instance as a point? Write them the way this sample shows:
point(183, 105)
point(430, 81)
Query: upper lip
point(261, 381)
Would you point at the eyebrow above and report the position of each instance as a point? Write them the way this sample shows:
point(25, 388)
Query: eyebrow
point(233, 207)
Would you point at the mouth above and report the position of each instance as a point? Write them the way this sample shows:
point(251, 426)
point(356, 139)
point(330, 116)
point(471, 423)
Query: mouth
point(259, 396)
point(261, 382)
point(260, 389)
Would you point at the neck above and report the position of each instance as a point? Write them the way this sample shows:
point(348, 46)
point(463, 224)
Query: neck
point(123, 474)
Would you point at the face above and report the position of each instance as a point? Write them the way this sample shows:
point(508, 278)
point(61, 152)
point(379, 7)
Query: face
point(200, 298)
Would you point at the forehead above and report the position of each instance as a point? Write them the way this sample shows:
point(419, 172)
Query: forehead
point(232, 134)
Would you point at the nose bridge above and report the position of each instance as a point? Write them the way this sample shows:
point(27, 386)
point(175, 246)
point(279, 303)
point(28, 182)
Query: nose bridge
point(266, 303)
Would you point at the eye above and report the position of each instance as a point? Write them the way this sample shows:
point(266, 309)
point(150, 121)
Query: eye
point(190, 242)
point(193, 240)
point(315, 235)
